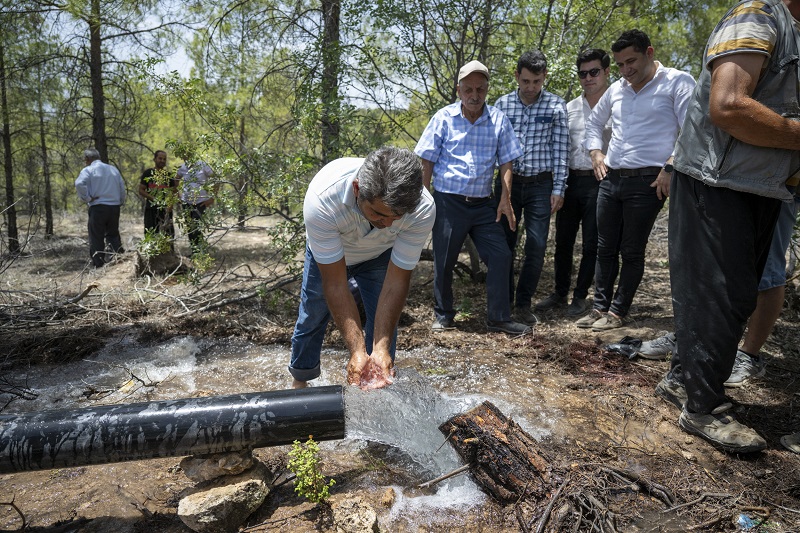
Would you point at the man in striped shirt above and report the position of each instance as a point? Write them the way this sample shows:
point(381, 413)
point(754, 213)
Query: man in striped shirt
point(539, 179)
point(739, 145)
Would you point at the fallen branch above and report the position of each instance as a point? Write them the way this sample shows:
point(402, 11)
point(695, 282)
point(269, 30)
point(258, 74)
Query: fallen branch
point(549, 508)
point(655, 489)
point(446, 476)
point(698, 500)
point(19, 512)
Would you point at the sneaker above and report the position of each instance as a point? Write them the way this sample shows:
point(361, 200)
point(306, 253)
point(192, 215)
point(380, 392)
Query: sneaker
point(672, 391)
point(508, 326)
point(658, 349)
point(745, 367)
point(525, 316)
point(722, 430)
point(551, 302)
point(578, 306)
point(588, 320)
point(443, 324)
point(608, 321)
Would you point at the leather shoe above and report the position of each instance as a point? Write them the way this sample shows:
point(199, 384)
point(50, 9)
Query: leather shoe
point(508, 326)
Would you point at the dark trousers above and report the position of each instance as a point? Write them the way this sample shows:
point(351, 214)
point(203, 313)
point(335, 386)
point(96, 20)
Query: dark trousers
point(455, 219)
point(626, 211)
point(195, 226)
point(579, 211)
point(158, 220)
point(719, 241)
point(530, 200)
point(103, 229)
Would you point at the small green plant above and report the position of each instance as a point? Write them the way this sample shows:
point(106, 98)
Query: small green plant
point(309, 481)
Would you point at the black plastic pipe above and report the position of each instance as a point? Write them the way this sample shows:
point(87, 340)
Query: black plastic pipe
point(192, 426)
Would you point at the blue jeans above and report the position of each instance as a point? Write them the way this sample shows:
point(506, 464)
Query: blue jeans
point(775, 270)
point(313, 317)
point(626, 211)
point(579, 211)
point(531, 201)
point(455, 219)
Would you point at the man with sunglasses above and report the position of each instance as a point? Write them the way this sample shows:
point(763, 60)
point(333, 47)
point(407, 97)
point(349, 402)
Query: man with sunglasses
point(580, 201)
point(539, 119)
point(646, 108)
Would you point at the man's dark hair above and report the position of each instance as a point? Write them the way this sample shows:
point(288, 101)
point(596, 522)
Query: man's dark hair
point(393, 176)
point(592, 54)
point(636, 38)
point(155, 154)
point(533, 61)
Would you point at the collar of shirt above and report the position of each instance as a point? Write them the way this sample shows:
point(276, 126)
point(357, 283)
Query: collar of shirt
point(457, 110)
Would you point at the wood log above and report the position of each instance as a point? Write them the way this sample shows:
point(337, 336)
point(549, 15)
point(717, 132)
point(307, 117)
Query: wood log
point(506, 461)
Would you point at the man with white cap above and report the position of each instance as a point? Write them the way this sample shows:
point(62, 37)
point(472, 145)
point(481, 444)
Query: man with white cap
point(460, 148)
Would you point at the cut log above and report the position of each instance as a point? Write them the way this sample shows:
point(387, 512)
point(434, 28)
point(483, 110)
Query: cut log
point(506, 461)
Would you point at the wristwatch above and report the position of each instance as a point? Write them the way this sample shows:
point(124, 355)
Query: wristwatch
point(668, 168)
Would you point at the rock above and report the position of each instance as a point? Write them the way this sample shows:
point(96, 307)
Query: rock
point(355, 516)
point(388, 498)
point(208, 467)
point(223, 505)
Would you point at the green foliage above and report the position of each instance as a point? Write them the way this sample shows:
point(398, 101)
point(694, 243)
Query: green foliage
point(309, 481)
point(154, 243)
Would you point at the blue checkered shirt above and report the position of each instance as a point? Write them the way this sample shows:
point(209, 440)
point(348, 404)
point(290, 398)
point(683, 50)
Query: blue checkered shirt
point(542, 129)
point(464, 155)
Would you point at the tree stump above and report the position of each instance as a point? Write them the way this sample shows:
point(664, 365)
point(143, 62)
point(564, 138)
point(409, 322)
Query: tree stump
point(506, 461)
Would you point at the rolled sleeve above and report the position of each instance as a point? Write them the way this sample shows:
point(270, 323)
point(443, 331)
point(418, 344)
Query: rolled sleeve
point(429, 145)
point(508, 146)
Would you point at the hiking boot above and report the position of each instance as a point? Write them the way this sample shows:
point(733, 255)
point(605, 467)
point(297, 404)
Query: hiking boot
point(722, 430)
point(745, 367)
point(551, 302)
point(508, 326)
point(608, 321)
point(658, 349)
point(443, 324)
point(525, 316)
point(672, 391)
point(578, 306)
point(588, 320)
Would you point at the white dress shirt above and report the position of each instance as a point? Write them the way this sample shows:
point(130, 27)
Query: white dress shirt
point(578, 111)
point(644, 125)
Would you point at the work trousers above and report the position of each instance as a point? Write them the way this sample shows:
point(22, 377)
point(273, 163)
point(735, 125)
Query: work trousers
point(103, 230)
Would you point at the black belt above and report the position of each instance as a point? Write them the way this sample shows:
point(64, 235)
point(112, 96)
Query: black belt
point(634, 172)
point(581, 173)
point(470, 199)
point(541, 176)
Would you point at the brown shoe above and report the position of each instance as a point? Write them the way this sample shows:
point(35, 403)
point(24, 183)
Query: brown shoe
point(608, 321)
point(587, 321)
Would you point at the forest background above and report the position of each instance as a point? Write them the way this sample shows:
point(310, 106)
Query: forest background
point(274, 90)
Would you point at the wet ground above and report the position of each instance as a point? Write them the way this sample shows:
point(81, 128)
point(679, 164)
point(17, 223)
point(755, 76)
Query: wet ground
point(588, 408)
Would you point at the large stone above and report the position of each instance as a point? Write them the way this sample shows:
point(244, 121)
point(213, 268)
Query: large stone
point(223, 505)
point(355, 516)
point(207, 467)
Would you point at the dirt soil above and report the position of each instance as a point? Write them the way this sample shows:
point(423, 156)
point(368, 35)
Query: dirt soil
point(611, 421)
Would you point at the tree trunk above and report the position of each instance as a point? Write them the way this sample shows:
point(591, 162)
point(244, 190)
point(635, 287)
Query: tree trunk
point(10, 210)
point(96, 74)
point(48, 190)
point(506, 461)
point(242, 188)
point(331, 55)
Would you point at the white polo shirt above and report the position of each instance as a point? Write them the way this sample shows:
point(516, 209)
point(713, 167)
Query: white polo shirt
point(335, 227)
point(644, 125)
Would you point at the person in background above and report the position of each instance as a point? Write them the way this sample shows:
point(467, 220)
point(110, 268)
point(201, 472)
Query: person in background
point(580, 201)
point(539, 119)
point(101, 186)
point(646, 108)
point(460, 148)
point(197, 195)
point(153, 185)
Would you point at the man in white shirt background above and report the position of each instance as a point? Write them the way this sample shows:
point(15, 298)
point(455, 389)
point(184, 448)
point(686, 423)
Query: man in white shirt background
point(646, 107)
point(580, 201)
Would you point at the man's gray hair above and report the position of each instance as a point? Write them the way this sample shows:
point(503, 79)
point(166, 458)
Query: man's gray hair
point(393, 176)
point(91, 154)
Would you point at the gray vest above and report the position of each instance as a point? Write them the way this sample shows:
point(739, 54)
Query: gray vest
point(711, 155)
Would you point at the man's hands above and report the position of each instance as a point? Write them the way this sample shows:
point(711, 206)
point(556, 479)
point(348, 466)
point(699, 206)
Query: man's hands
point(556, 203)
point(662, 184)
point(504, 208)
point(370, 372)
point(599, 164)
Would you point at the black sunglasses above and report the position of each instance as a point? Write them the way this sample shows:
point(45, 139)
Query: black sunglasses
point(593, 73)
